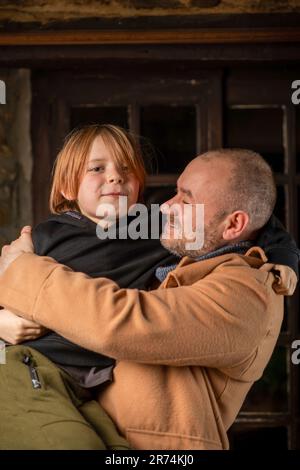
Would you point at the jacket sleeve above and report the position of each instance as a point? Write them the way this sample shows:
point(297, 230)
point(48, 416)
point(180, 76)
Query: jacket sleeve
point(215, 322)
point(278, 245)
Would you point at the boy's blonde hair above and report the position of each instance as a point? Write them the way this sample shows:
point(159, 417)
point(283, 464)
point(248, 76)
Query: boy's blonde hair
point(72, 159)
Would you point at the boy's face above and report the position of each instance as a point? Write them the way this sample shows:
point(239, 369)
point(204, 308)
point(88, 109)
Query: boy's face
point(104, 182)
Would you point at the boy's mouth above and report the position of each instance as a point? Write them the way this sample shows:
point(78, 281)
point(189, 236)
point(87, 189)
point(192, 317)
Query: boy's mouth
point(116, 194)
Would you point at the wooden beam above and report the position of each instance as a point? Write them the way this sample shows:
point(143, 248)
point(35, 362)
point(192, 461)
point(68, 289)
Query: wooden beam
point(200, 36)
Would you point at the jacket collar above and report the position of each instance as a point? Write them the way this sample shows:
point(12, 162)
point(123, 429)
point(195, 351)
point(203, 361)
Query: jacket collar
point(189, 271)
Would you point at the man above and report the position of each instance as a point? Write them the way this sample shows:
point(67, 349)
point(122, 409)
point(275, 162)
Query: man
point(188, 352)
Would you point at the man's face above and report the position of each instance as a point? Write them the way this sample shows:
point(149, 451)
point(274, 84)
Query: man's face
point(200, 183)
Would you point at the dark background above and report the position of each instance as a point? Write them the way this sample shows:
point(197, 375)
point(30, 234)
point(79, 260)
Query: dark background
point(187, 83)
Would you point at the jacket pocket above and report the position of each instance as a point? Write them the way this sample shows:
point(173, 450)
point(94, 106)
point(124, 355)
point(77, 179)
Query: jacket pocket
point(152, 440)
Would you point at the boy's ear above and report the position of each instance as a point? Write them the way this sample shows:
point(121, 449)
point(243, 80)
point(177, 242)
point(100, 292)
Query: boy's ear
point(67, 196)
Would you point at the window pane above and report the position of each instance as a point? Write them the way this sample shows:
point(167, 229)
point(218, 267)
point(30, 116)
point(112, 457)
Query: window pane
point(172, 132)
point(264, 438)
point(270, 392)
point(280, 206)
point(158, 195)
point(90, 114)
point(258, 129)
point(298, 137)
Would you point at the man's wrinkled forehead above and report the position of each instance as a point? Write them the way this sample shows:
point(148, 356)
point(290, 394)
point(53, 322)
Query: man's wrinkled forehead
point(184, 186)
point(195, 177)
point(205, 180)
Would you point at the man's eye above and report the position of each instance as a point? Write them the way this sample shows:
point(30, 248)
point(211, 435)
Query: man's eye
point(176, 191)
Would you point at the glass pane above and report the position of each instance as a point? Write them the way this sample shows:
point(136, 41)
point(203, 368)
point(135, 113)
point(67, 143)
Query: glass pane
point(280, 207)
point(90, 114)
point(258, 129)
point(264, 438)
point(270, 392)
point(158, 195)
point(172, 132)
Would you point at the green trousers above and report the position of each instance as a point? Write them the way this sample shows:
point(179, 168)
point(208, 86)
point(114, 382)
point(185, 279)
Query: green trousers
point(42, 407)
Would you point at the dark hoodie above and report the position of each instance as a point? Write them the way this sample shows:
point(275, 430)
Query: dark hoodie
point(71, 239)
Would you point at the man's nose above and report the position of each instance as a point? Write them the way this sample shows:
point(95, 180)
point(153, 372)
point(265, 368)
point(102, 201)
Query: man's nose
point(166, 206)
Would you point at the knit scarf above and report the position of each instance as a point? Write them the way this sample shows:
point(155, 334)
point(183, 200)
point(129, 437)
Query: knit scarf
point(240, 247)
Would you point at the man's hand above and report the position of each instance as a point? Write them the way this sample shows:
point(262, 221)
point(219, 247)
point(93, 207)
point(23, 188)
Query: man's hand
point(15, 330)
point(10, 252)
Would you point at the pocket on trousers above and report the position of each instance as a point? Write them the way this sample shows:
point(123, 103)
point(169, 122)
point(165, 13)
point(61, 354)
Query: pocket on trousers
point(72, 435)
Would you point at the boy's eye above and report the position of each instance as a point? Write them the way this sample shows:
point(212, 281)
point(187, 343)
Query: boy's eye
point(96, 169)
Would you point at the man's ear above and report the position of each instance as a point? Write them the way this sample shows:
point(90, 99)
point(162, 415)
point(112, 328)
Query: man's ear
point(235, 225)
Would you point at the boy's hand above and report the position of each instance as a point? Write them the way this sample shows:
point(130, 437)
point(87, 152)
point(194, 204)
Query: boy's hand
point(15, 330)
point(9, 253)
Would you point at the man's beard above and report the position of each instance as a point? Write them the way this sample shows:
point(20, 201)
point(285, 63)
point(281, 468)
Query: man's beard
point(212, 241)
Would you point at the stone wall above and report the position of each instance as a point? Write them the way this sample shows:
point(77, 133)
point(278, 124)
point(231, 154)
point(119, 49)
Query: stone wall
point(15, 154)
point(42, 11)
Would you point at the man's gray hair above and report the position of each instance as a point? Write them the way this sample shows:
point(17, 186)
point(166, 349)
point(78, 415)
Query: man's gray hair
point(251, 186)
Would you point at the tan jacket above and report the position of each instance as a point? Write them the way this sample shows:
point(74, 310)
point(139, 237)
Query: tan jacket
point(187, 353)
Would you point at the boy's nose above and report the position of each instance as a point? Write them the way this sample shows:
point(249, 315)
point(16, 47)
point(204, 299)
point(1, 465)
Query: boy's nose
point(115, 178)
